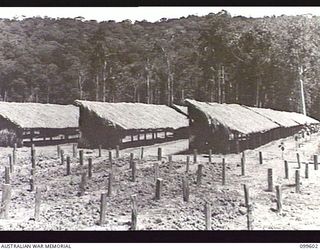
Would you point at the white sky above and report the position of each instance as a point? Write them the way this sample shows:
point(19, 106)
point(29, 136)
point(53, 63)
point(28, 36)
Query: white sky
point(151, 14)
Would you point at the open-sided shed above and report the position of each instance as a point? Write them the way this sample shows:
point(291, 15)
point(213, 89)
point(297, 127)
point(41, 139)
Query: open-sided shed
point(128, 124)
point(41, 124)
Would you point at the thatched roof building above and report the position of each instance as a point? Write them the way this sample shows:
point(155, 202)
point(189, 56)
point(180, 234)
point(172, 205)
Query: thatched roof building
point(107, 124)
point(181, 109)
point(31, 121)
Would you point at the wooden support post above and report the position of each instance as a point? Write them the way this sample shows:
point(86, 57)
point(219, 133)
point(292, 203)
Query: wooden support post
point(260, 157)
point(131, 158)
point(15, 146)
point(199, 174)
point(159, 154)
point(110, 184)
point(62, 156)
point(207, 211)
point(188, 164)
point(270, 180)
point(195, 153)
point(7, 175)
point(141, 153)
point(242, 166)
point(90, 167)
point(117, 151)
point(37, 204)
point(14, 156)
point(133, 171)
point(11, 163)
point(279, 196)
point(223, 172)
point(58, 151)
point(68, 165)
point(210, 155)
point(315, 161)
point(102, 209)
point(100, 148)
point(249, 217)
point(297, 178)
point(156, 171)
point(74, 150)
point(159, 184)
point(134, 213)
point(306, 172)
point(170, 162)
point(5, 200)
point(298, 160)
point(81, 157)
point(83, 183)
point(110, 157)
point(244, 158)
point(185, 188)
point(246, 195)
point(286, 170)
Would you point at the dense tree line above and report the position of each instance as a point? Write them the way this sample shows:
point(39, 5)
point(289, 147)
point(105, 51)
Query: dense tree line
point(260, 62)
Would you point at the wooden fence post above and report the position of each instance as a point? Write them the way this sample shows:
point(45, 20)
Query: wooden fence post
point(131, 159)
point(100, 148)
point(279, 202)
point(83, 183)
point(223, 172)
point(14, 156)
point(102, 209)
point(159, 184)
point(298, 160)
point(37, 204)
point(10, 163)
point(270, 180)
point(5, 200)
point(207, 211)
point(89, 167)
point(74, 150)
point(188, 164)
point(134, 213)
point(159, 154)
point(58, 151)
point(246, 195)
point(242, 166)
point(260, 157)
point(117, 151)
point(315, 161)
point(156, 171)
point(185, 188)
point(110, 184)
point(199, 174)
point(195, 153)
point(297, 181)
point(170, 162)
point(210, 155)
point(249, 217)
point(141, 153)
point(133, 171)
point(7, 175)
point(306, 171)
point(81, 157)
point(68, 165)
point(243, 156)
point(62, 156)
point(286, 170)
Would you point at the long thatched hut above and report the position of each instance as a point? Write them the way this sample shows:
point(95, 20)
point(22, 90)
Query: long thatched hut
point(129, 124)
point(40, 124)
point(233, 127)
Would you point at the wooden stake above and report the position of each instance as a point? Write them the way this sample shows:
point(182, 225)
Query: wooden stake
point(83, 183)
point(133, 171)
point(110, 157)
point(185, 189)
point(14, 156)
point(286, 170)
point(58, 150)
point(199, 174)
point(270, 180)
point(306, 171)
point(90, 167)
point(102, 209)
point(244, 158)
point(223, 172)
point(279, 202)
point(7, 175)
point(207, 211)
point(68, 165)
point(37, 204)
point(117, 151)
point(81, 157)
point(298, 160)
point(110, 184)
point(11, 163)
point(315, 161)
point(141, 153)
point(74, 150)
point(159, 184)
point(242, 166)
point(170, 162)
point(195, 153)
point(62, 156)
point(134, 213)
point(156, 171)
point(131, 159)
point(5, 200)
point(297, 181)
point(188, 164)
point(249, 217)
point(210, 155)
point(159, 154)
point(246, 195)
point(260, 157)
point(100, 148)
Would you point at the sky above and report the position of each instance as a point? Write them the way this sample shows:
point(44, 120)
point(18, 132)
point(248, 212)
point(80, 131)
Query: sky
point(151, 14)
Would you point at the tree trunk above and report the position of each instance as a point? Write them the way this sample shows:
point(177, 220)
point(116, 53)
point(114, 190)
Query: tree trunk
point(223, 86)
point(303, 103)
point(97, 87)
point(80, 81)
point(148, 89)
point(104, 78)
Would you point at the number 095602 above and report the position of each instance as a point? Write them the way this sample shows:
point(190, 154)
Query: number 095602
point(308, 245)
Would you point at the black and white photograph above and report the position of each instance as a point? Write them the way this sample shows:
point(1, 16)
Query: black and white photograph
point(159, 118)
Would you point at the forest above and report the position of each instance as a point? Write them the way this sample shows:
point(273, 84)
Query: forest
point(260, 62)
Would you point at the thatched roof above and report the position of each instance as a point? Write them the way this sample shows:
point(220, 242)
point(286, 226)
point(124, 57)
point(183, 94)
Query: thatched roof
point(233, 116)
point(38, 115)
point(303, 119)
point(181, 109)
point(136, 115)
